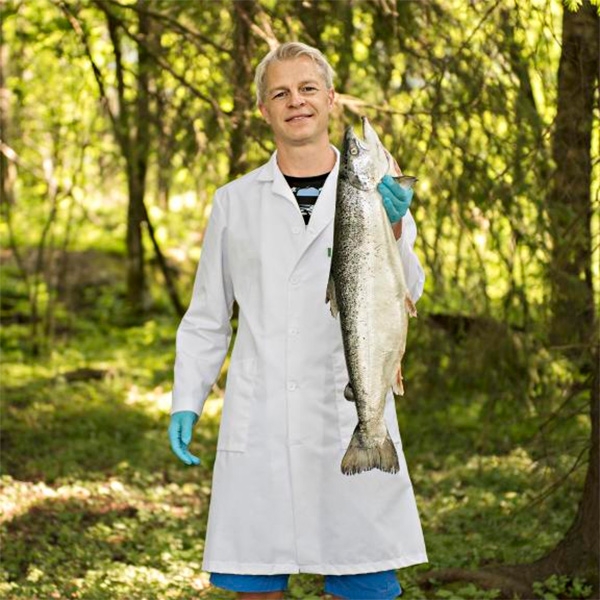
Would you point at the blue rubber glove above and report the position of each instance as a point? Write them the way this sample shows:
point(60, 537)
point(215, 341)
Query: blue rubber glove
point(180, 435)
point(396, 199)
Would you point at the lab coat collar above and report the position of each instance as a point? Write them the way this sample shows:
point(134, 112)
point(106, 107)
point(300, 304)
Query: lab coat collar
point(325, 207)
point(271, 172)
point(324, 210)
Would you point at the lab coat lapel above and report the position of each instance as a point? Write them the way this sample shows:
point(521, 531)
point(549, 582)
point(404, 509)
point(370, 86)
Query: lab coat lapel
point(287, 235)
point(279, 186)
point(324, 210)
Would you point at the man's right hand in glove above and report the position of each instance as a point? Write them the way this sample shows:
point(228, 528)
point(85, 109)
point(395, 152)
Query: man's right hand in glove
point(180, 435)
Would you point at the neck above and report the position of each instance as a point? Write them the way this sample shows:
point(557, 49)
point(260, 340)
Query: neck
point(304, 161)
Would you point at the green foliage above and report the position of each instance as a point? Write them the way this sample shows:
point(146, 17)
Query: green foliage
point(467, 111)
point(494, 422)
point(306, 587)
point(95, 506)
point(106, 540)
point(575, 5)
point(560, 586)
point(468, 592)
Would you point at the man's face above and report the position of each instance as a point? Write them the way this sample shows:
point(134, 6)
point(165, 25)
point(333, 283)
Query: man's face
point(297, 103)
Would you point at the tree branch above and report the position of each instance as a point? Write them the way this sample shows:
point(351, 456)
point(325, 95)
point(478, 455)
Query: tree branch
point(79, 30)
point(174, 24)
point(218, 112)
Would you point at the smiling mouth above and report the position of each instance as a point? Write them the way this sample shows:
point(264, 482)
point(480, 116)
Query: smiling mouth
point(298, 118)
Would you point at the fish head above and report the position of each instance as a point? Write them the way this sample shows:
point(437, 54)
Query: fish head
point(378, 152)
point(357, 165)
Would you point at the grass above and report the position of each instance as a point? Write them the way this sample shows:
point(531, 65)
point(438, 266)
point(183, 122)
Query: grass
point(95, 506)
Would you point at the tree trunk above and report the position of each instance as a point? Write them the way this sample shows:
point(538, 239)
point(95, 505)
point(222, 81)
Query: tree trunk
point(569, 202)
point(135, 248)
point(573, 322)
point(311, 14)
point(244, 12)
point(134, 147)
point(7, 168)
point(573, 325)
point(346, 55)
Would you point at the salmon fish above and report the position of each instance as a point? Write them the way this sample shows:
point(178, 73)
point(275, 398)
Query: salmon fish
point(367, 288)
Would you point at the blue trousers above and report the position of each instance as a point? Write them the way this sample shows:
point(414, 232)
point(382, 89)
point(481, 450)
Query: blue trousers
point(382, 585)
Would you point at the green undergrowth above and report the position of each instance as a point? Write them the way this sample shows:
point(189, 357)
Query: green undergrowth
point(95, 506)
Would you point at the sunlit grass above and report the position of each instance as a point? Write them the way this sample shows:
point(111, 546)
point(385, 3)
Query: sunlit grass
point(95, 506)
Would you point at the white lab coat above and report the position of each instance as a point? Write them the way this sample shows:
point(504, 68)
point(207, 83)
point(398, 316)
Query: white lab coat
point(280, 503)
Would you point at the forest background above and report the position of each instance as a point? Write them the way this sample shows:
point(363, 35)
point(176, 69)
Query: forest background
point(119, 120)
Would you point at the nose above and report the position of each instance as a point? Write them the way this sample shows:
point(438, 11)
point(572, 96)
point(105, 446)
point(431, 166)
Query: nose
point(296, 98)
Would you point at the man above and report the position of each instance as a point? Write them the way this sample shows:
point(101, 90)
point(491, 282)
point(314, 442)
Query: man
point(280, 503)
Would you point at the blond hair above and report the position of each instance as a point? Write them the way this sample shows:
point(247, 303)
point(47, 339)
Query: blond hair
point(288, 51)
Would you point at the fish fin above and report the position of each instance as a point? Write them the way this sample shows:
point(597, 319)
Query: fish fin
point(330, 297)
point(393, 167)
point(360, 458)
point(406, 181)
point(397, 385)
point(349, 393)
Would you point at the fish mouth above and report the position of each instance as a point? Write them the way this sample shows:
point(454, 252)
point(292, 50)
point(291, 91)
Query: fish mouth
point(365, 126)
point(369, 135)
point(351, 136)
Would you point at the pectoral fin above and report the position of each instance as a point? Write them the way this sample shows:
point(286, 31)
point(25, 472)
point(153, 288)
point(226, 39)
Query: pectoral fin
point(411, 311)
point(410, 306)
point(330, 297)
point(397, 385)
point(349, 393)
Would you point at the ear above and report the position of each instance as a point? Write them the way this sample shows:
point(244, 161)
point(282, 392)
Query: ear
point(264, 112)
point(331, 97)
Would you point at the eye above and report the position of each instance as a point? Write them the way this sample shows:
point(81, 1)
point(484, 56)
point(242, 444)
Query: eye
point(278, 95)
point(309, 88)
point(353, 150)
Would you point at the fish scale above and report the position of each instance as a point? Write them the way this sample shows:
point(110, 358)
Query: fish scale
point(368, 290)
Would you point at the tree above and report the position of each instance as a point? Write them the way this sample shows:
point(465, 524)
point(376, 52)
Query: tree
point(132, 123)
point(573, 323)
point(243, 103)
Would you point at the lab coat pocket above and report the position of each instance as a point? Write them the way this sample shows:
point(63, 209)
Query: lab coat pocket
point(346, 410)
point(237, 406)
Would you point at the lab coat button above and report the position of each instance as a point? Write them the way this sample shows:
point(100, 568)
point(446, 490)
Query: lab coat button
point(291, 386)
point(296, 230)
point(294, 281)
point(294, 331)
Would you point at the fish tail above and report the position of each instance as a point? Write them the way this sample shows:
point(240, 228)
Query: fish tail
point(360, 458)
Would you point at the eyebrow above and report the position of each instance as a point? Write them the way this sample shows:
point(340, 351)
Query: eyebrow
point(285, 87)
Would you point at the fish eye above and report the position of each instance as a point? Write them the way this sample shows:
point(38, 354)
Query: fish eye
point(353, 150)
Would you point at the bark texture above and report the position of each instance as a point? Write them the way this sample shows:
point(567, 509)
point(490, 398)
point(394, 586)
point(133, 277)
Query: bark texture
point(244, 12)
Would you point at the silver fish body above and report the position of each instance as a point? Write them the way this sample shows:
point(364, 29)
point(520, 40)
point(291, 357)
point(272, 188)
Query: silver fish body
point(368, 289)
